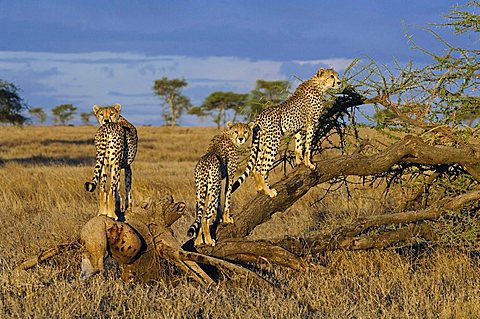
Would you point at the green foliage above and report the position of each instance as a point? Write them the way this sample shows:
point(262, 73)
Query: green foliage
point(384, 117)
point(85, 117)
point(218, 103)
point(266, 93)
point(11, 104)
point(63, 113)
point(444, 92)
point(464, 21)
point(174, 103)
point(38, 113)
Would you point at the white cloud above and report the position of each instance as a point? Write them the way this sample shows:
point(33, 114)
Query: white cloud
point(85, 79)
point(339, 64)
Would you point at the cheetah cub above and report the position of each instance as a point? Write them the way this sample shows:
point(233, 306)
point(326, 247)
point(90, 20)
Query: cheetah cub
point(220, 161)
point(116, 146)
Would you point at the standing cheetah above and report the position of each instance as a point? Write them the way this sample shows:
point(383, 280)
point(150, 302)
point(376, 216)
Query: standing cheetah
point(299, 112)
point(220, 161)
point(116, 146)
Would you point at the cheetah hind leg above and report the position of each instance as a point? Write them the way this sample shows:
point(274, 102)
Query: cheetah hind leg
point(263, 186)
point(118, 200)
point(212, 206)
point(199, 239)
point(128, 188)
point(226, 217)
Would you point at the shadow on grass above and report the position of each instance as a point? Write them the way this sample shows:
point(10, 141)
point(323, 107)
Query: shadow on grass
point(46, 161)
point(89, 141)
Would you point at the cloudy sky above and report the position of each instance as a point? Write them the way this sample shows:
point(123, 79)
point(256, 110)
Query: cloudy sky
point(103, 52)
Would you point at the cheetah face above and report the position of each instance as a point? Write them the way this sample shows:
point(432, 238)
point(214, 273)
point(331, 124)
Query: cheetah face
point(240, 132)
point(327, 78)
point(109, 114)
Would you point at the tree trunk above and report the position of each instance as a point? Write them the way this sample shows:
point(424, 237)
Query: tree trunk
point(172, 111)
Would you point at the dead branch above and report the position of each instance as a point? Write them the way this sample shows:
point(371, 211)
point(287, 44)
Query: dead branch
point(384, 240)
point(346, 237)
point(429, 182)
point(47, 254)
point(254, 251)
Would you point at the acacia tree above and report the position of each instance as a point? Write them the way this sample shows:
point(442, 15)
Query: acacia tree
point(39, 114)
point(218, 103)
point(63, 113)
point(174, 103)
point(85, 117)
point(265, 93)
point(11, 104)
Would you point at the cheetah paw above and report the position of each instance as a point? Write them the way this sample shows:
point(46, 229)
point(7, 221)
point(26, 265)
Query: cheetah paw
point(310, 165)
point(272, 193)
point(227, 219)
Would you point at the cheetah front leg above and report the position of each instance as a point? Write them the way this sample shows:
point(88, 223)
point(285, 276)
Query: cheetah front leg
point(299, 144)
point(308, 145)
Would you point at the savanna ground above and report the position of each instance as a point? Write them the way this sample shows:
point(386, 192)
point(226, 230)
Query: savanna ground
point(43, 202)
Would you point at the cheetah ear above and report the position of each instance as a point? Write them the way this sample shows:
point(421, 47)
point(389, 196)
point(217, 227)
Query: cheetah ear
point(117, 107)
point(251, 125)
point(229, 124)
point(96, 108)
point(320, 72)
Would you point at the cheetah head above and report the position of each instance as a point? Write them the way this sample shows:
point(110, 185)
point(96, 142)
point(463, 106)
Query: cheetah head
point(109, 114)
point(327, 78)
point(240, 132)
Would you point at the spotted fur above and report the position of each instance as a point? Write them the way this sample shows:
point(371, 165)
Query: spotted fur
point(298, 114)
point(220, 162)
point(116, 146)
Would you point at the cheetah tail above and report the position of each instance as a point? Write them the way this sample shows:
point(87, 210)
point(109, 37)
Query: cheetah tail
point(90, 186)
point(193, 230)
point(252, 160)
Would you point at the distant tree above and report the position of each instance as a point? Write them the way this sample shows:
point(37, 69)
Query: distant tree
point(63, 113)
point(11, 104)
point(39, 114)
point(85, 116)
point(217, 104)
point(266, 93)
point(174, 103)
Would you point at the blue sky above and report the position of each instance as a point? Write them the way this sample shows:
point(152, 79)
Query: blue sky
point(104, 52)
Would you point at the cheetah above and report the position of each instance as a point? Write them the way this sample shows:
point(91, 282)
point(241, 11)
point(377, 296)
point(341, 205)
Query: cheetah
point(299, 113)
point(220, 162)
point(116, 146)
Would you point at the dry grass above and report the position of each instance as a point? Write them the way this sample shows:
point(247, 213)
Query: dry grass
point(42, 171)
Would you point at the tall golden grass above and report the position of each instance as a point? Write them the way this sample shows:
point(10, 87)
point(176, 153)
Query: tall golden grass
point(42, 203)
